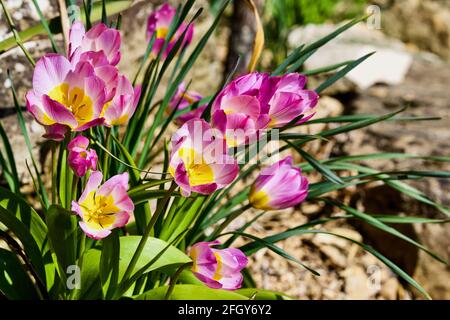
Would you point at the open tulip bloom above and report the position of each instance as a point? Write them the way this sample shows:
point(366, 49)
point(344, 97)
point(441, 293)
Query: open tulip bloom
point(103, 208)
point(199, 161)
point(153, 190)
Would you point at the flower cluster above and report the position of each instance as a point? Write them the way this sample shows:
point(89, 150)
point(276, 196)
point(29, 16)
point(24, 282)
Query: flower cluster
point(84, 89)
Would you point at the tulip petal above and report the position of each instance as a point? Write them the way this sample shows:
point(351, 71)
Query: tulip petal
point(50, 71)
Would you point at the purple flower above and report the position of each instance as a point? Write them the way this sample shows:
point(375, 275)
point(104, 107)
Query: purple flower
point(257, 101)
point(183, 99)
point(159, 22)
point(218, 269)
point(103, 207)
point(279, 186)
point(80, 158)
point(199, 161)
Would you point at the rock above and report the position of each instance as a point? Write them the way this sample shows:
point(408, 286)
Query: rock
point(356, 287)
point(389, 289)
point(335, 255)
point(353, 44)
point(426, 24)
point(425, 90)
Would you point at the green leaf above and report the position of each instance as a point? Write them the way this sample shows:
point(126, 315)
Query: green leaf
point(11, 161)
point(323, 169)
point(275, 249)
point(26, 215)
point(15, 283)
point(262, 294)
point(90, 276)
point(252, 247)
point(380, 225)
point(190, 292)
point(338, 75)
point(109, 262)
point(30, 246)
point(55, 23)
point(153, 246)
point(62, 234)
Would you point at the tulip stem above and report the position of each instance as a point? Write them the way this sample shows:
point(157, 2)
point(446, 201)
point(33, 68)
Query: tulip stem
point(233, 215)
point(146, 234)
point(174, 279)
point(54, 173)
point(105, 166)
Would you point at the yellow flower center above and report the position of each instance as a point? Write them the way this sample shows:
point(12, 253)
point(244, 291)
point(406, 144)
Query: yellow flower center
point(75, 100)
point(99, 211)
point(217, 275)
point(259, 200)
point(198, 171)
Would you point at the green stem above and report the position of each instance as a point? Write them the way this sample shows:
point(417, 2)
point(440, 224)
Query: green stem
point(54, 173)
point(105, 166)
point(16, 34)
point(227, 221)
point(146, 234)
point(174, 279)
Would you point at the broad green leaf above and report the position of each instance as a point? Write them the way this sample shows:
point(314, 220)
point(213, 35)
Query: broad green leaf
point(26, 214)
point(153, 247)
point(109, 263)
point(62, 234)
point(190, 292)
point(30, 246)
point(15, 283)
point(90, 276)
point(262, 294)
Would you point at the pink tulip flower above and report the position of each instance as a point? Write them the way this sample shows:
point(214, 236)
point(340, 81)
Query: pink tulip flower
point(199, 161)
point(218, 269)
point(103, 208)
point(258, 101)
point(80, 158)
point(122, 106)
point(159, 22)
point(183, 99)
point(99, 38)
point(279, 186)
point(63, 98)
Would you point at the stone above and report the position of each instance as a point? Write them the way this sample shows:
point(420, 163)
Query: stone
point(356, 287)
point(426, 24)
point(389, 289)
point(335, 255)
point(353, 44)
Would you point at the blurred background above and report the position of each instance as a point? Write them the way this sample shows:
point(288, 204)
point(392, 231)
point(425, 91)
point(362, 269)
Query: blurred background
point(411, 67)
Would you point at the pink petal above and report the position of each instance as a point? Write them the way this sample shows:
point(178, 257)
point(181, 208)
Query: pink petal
point(57, 112)
point(50, 71)
point(96, 234)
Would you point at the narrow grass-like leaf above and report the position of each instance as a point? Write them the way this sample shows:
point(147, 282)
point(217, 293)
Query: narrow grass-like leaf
point(338, 75)
point(42, 191)
point(323, 169)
